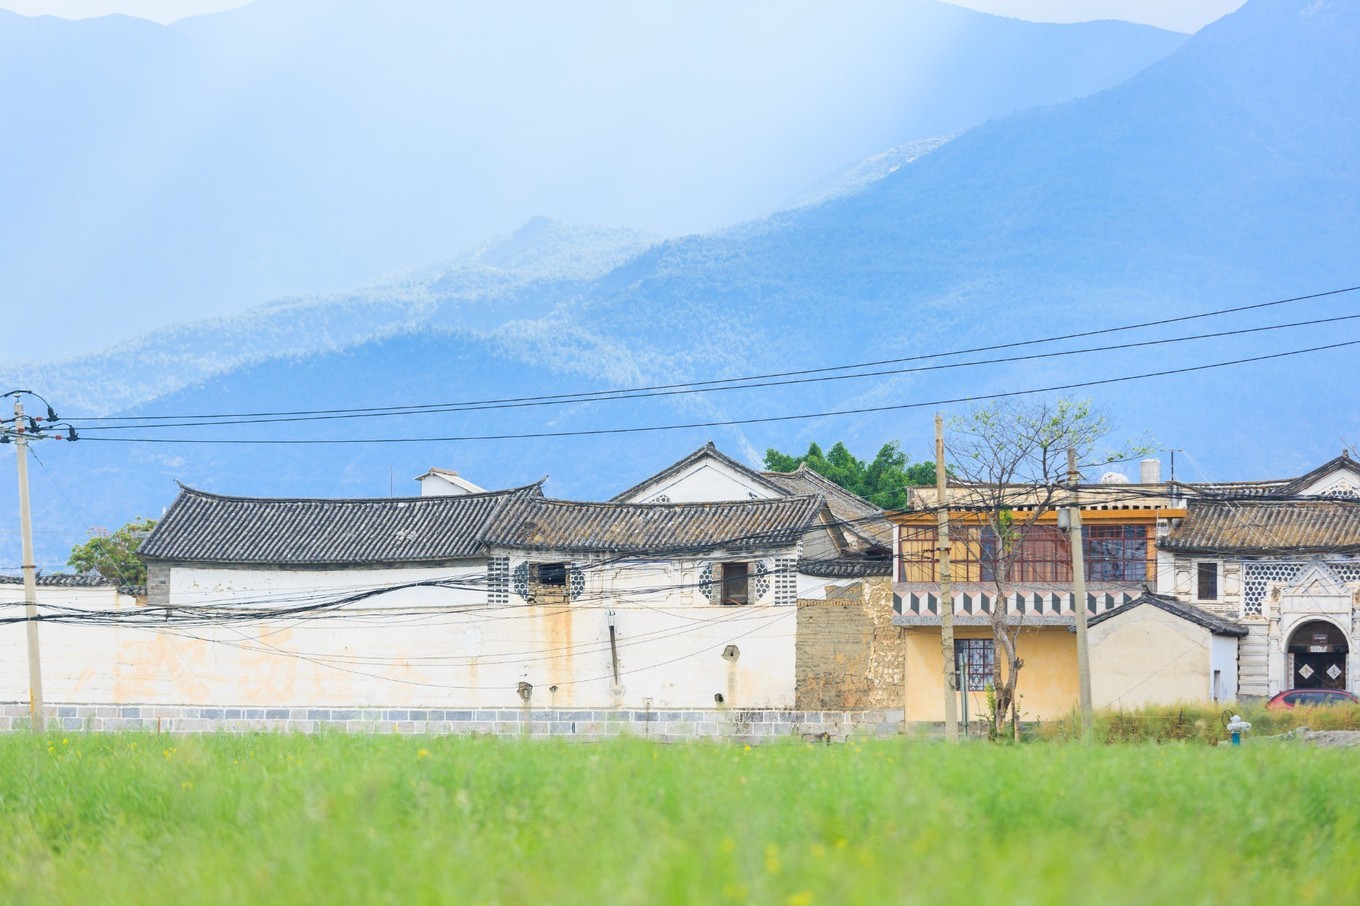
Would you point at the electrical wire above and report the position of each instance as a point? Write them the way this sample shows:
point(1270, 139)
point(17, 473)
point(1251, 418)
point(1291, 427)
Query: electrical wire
point(646, 393)
point(863, 410)
point(587, 396)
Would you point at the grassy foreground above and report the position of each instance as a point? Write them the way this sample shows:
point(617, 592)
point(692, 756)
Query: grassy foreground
point(380, 819)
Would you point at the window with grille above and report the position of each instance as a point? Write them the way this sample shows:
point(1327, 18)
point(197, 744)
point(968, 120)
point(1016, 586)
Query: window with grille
point(976, 662)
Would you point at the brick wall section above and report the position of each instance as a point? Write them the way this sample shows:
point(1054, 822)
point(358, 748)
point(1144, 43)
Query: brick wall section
point(735, 725)
point(158, 584)
point(848, 655)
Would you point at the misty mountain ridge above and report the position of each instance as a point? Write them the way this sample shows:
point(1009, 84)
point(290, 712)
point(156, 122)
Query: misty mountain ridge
point(290, 149)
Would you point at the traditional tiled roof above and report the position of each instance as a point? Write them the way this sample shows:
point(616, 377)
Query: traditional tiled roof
point(1303, 482)
point(863, 522)
point(212, 528)
point(707, 451)
point(1252, 527)
point(1271, 486)
point(1174, 606)
point(663, 528)
point(63, 580)
point(846, 568)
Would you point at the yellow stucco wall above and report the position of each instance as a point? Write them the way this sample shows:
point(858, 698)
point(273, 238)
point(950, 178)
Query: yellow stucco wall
point(1048, 681)
point(1146, 656)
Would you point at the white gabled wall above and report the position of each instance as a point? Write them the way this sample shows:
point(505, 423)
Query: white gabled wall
point(1146, 656)
point(706, 481)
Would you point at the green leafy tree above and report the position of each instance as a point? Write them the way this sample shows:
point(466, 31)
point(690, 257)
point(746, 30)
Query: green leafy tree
point(113, 555)
point(884, 481)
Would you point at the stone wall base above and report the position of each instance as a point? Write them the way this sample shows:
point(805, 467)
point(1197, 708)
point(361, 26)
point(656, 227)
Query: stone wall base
point(737, 725)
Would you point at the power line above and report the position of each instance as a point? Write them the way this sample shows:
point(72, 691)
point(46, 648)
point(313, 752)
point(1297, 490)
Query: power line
point(864, 410)
point(589, 396)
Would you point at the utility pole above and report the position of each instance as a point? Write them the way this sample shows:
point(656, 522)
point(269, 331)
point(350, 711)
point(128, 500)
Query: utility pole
point(20, 431)
point(35, 694)
point(951, 716)
point(1079, 599)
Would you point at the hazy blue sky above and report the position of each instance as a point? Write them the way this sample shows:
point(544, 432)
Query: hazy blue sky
point(1180, 15)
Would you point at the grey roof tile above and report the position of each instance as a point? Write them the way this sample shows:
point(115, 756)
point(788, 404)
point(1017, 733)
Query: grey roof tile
point(1260, 527)
point(565, 525)
point(1172, 605)
point(213, 528)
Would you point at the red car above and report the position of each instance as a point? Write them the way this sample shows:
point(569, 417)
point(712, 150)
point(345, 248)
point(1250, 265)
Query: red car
point(1291, 697)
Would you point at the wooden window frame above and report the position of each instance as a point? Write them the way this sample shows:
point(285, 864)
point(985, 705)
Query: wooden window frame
point(734, 583)
point(1207, 569)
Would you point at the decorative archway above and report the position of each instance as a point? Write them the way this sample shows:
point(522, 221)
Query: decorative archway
point(1316, 656)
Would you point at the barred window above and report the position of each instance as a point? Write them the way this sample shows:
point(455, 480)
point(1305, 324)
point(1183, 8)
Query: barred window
point(975, 661)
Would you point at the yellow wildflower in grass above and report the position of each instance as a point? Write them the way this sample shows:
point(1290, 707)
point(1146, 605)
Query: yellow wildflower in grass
point(728, 845)
point(772, 864)
point(802, 898)
point(423, 753)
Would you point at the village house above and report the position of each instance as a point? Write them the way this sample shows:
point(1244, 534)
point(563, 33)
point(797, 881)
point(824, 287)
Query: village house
point(1121, 525)
point(1195, 592)
point(460, 611)
point(848, 653)
point(1281, 557)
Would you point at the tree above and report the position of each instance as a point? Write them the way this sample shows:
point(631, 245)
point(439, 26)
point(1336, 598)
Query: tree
point(114, 555)
point(1012, 458)
point(883, 482)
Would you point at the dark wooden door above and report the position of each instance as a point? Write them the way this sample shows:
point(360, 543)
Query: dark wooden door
point(1322, 670)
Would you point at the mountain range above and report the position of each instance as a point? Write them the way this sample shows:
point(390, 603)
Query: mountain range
point(299, 147)
point(1221, 175)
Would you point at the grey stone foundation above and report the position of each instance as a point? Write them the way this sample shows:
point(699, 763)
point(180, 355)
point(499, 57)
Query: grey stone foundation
point(738, 725)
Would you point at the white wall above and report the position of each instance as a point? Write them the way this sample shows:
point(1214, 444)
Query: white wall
point(1223, 658)
point(425, 647)
point(1146, 656)
point(706, 481)
point(75, 660)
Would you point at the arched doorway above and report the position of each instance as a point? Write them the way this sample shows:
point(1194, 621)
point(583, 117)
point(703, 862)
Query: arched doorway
point(1317, 656)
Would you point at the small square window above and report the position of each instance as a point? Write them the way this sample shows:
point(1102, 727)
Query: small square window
point(736, 583)
point(1206, 581)
point(552, 574)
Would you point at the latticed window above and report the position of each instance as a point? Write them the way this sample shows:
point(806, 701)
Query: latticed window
point(1258, 575)
point(975, 660)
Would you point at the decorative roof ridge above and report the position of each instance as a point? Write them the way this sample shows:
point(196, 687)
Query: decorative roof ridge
point(816, 501)
point(523, 490)
point(707, 450)
point(817, 478)
point(1178, 608)
point(67, 580)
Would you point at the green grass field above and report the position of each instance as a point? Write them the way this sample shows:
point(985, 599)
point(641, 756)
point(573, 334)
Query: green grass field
point(382, 819)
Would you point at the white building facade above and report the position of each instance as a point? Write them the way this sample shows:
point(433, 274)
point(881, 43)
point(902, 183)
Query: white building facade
point(1283, 559)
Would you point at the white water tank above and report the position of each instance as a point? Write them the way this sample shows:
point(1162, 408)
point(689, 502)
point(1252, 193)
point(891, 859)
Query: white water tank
point(1150, 471)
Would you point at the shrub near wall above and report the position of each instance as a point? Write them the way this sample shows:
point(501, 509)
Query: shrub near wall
point(1203, 722)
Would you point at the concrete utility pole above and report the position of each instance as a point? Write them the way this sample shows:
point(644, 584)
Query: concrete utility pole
point(1079, 599)
point(35, 694)
point(951, 716)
